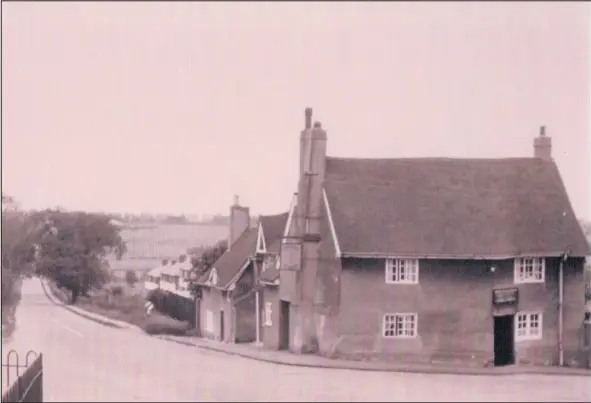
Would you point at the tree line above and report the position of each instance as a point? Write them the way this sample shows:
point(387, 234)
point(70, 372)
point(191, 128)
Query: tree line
point(69, 248)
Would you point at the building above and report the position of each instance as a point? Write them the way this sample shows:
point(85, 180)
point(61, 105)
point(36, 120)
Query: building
point(226, 306)
point(168, 289)
point(271, 231)
point(478, 261)
point(152, 279)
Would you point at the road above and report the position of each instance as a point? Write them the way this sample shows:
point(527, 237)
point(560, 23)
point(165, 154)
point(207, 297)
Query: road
point(86, 361)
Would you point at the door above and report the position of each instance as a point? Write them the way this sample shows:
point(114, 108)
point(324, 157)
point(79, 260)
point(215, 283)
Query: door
point(503, 339)
point(284, 325)
point(222, 335)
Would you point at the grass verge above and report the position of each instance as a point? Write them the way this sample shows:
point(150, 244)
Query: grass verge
point(116, 302)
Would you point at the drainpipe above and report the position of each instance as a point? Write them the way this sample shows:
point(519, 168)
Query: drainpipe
point(257, 302)
point(258, 317)
point(561, 308)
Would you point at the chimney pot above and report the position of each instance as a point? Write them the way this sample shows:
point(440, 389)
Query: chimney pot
point(317, 125)
point(542, 131)
point(308, 114)
point(236, 200)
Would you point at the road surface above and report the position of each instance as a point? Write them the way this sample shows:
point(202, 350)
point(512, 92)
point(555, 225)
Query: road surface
point(86, 361)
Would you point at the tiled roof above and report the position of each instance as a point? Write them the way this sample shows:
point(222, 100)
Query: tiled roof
point(230, 263)
point(455, 208)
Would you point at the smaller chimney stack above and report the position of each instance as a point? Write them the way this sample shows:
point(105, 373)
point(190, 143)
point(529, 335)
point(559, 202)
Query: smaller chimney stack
point(239, 221)
point(543, 145)
point(308, 113)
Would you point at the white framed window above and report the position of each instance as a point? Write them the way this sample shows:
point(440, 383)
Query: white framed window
point(530, 270)
point(399, 325)
point(402, 271)
point(209, 321)
point(267, 320)
point(528, 326)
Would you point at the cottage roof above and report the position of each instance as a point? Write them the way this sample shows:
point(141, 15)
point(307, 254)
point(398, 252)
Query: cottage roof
point(456, 208)
point(228, 266)
point(273, 228)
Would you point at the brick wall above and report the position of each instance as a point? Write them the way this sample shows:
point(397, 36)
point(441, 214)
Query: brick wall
point(244, 325)
point(453, 302)
point(214, 301)
point(245, 320)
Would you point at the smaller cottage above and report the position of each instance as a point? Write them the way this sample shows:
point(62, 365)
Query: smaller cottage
point(226, 298)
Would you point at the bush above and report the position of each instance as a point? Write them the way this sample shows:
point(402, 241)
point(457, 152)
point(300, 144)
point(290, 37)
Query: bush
point(11, 296)
point(160, 324)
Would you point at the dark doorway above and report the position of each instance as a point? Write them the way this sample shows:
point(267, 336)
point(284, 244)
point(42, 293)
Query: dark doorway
point(504, 349)
point(284, 325)
point(222, 336)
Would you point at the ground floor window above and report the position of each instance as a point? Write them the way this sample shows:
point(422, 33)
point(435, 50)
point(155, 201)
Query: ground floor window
point(399, 325)
point(528, 326)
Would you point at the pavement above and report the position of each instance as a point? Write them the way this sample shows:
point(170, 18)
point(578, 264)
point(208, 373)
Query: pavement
point(87, 361)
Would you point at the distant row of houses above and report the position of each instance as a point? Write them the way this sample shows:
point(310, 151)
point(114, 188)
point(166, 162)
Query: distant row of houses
point(172, 276)
point(425, 259)
point(168, 287)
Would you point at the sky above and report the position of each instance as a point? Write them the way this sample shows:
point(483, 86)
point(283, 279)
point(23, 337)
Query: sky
point(176, 107)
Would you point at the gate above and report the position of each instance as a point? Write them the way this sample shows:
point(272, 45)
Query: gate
point(28, 385)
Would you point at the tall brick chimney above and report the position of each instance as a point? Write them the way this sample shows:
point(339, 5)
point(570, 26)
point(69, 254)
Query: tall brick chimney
point(311, 175)
point(543, 146)
point(239, 221)
point(313, 141)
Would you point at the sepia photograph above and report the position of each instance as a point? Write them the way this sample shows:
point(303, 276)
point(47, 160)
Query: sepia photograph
point(298, 202)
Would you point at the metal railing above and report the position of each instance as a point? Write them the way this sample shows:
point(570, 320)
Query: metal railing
point(28, 386)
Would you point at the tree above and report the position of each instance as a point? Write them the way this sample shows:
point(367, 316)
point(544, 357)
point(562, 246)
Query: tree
point(131, 277)
point(208, 257)
point(18, 256)
point(73, 249)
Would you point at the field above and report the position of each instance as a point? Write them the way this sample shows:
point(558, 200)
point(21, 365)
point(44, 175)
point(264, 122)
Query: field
point(148, 245)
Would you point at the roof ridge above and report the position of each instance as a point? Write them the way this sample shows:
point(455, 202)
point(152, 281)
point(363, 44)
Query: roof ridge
point(440, 158)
